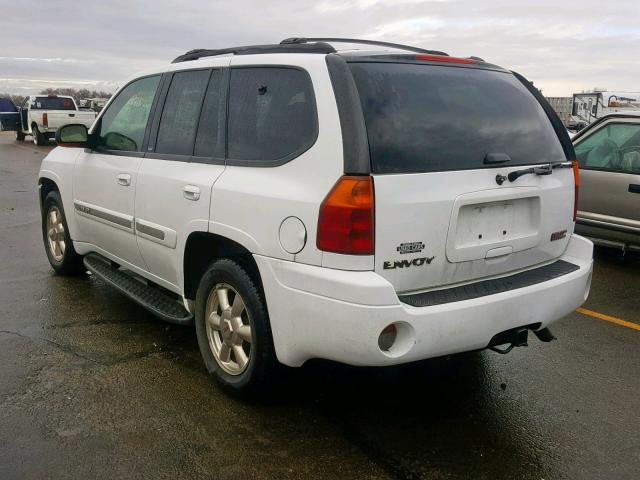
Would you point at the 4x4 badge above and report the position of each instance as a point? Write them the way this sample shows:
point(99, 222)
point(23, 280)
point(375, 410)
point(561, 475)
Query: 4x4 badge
point(416, 262)
point(413, 247)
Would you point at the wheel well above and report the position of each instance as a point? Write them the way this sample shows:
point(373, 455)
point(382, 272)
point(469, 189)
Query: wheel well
point(46, 186)
point(204, 248)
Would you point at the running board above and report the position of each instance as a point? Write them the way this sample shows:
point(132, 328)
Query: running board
point(157, 302)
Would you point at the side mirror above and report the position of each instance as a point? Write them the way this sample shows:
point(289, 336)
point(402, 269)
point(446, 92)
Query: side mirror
point(74, 135)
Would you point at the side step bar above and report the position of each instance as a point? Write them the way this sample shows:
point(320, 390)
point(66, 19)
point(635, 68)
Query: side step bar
point(156, 301)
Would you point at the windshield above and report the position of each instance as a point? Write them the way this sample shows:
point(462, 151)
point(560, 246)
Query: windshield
point(53, 103)
point(428, 118)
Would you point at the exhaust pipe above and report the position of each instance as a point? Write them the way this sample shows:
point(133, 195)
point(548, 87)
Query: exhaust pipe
point(518, 337)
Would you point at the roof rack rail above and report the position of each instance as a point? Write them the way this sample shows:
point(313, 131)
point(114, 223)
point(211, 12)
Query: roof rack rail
point(303, 40)
point(316, 47)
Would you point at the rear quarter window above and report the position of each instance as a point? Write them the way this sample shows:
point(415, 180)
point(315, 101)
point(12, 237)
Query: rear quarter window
point(428, 118)
point(272, 114)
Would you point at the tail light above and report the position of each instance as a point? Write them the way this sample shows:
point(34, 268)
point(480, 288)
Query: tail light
point(346, 219)
point(45, 119)
point(576, 182)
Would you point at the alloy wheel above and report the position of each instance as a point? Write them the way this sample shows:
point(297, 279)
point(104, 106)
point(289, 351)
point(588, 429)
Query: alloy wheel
point(228, 328)
point(55, 234)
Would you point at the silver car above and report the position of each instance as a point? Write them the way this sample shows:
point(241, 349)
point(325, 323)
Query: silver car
point(608, 152)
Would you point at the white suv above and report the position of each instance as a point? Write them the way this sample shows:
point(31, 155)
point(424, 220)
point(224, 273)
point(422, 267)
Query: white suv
point(294, 202)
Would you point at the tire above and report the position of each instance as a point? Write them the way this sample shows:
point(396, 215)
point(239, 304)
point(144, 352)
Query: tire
point(259, 372)
point(62, 256)
point(39, 139)
point(19, 135)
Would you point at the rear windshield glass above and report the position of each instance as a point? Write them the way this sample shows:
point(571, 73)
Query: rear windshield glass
point(427, 118)
point(53, 103)
point(7, 105)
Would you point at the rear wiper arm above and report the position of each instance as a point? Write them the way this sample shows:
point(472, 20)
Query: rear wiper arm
point(544, 170)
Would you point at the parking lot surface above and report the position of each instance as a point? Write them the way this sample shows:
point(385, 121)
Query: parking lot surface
point(93, 386)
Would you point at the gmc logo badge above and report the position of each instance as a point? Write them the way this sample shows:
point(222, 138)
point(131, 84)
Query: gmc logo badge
point(417, 262)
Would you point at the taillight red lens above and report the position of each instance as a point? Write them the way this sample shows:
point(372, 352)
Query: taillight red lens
point(443, 58)
point(45, 120)
point(346, 219)
point(576, 182)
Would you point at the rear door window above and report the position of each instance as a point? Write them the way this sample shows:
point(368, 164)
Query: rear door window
point(272, 114)
point(210, 136)
point(177, 131)
point(428, 118)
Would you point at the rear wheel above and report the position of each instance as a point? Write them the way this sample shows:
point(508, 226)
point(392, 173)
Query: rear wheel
point(38, 138)
point(57, 242)
point(232, 325)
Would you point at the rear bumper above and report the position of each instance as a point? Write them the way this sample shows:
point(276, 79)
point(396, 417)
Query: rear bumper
point(338, 315)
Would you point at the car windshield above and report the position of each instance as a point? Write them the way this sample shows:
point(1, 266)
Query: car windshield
point(428, 118)
point(53, 103)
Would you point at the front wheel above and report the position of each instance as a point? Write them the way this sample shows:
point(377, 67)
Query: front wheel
point(232, 325)
point(57, 242)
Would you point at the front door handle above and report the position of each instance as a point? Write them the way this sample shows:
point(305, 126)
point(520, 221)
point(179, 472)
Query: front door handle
point(191, 192)
point(124, 179)
point(634, 188)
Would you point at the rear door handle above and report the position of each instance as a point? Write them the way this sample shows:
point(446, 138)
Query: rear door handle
point(124, 179)
point(634, 188)
point(191, 192)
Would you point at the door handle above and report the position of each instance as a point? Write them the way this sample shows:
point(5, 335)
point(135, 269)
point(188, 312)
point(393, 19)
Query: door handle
point(634, 188)
point(124, 179)
point(191, 192)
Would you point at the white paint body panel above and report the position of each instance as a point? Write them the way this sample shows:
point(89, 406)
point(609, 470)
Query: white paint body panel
point(160, 201)
point(95, 183)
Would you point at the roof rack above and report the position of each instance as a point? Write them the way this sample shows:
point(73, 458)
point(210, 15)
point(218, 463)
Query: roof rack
point(303, 40)
point(315, 47)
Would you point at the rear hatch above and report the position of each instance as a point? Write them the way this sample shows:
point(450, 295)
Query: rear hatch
point(438, 137)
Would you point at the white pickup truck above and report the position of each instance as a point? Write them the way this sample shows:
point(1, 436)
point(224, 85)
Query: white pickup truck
point(42, 115)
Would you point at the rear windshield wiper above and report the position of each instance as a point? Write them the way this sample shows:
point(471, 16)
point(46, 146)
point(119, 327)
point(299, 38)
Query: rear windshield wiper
point(516, 174)
point(543, 170)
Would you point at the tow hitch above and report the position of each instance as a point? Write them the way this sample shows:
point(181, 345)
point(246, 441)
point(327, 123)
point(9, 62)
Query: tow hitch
point(517, 337)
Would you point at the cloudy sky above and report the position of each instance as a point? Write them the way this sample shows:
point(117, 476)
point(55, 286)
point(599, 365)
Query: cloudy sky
point(563, 46)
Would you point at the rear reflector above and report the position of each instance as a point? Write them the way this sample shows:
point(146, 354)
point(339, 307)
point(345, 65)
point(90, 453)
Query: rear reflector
point(346, 219)
point(443, 58)
point(576, 182)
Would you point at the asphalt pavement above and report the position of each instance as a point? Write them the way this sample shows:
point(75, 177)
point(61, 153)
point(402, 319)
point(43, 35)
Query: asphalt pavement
point(93, 386)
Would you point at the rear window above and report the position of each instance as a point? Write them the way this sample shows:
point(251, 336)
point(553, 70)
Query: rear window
point(427, 118)
point(7, 105)
point(53, 103)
